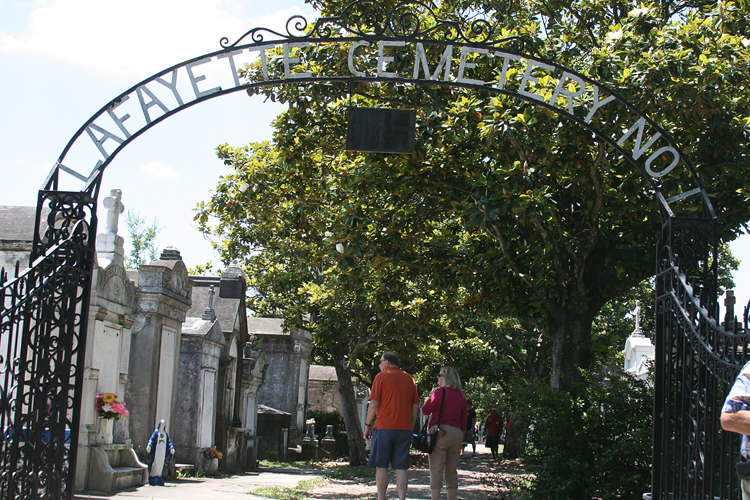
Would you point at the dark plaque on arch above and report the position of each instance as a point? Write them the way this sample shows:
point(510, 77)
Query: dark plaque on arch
point(381, 130)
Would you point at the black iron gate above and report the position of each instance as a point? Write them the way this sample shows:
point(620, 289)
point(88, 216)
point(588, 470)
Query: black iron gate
point(42, 336)
point(697, 361)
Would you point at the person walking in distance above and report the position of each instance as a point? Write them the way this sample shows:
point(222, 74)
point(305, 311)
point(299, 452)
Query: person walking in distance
point(493, 427)
point(469, 434)
point(394, 402)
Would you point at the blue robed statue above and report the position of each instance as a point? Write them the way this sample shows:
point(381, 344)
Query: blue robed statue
point(160, 453)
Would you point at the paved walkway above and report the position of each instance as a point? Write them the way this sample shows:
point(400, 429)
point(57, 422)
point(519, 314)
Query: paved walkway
point(205, 488)
point(479, 478)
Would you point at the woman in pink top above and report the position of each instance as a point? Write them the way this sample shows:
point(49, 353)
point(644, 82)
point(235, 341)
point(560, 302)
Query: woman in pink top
point(444, 458)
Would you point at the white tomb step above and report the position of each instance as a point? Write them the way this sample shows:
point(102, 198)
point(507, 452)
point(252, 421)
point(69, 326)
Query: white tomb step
point(115, 467)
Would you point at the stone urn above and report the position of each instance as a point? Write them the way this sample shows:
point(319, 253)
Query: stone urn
point(211, 466)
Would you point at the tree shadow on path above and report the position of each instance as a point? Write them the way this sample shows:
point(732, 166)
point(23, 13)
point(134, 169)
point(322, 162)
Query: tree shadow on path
point(479, 478)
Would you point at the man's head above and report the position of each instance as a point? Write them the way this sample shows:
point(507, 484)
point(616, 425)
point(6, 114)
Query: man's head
point(493, 409)
point(388, 359)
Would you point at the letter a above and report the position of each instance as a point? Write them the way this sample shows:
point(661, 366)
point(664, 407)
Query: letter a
point(100, 142)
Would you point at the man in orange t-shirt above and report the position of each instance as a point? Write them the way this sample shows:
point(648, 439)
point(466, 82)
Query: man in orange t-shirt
point(395, 401)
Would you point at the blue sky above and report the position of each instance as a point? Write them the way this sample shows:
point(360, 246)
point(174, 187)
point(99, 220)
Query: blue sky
point(62, 60)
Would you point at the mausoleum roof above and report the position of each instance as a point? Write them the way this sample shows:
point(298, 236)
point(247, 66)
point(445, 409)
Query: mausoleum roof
point(17, 223)
point(325, 373)
point(226, 308)
point(638, 342)
point(272, 411)
point(210, 330)
point(265, 326)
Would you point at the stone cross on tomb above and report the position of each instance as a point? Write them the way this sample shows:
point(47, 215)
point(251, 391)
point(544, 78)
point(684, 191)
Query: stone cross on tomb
point(114, 208)
point(729, 318)
point(208, 313)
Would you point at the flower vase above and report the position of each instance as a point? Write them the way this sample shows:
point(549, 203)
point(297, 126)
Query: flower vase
point(106, 427)
point(213, 466)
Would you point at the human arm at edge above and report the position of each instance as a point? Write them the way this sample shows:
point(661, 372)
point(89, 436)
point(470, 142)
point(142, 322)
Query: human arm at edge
point(738, 421)
point(431, 404)
point(372, 412)
point(414, 413)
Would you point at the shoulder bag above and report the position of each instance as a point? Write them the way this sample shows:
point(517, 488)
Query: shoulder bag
point(743, 470)
point(425, 441)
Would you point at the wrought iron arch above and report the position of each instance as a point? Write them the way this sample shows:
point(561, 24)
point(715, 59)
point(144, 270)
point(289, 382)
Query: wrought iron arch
point(43, 305)
point(359, 27)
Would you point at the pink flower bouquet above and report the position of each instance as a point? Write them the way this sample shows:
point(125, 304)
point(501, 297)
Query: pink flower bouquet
point(107, 406)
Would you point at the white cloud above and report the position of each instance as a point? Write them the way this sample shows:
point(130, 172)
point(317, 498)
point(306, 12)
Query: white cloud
point(135, 39)
point(159, 171)
point(9, 44)
point(23, 164)
point(22, 178)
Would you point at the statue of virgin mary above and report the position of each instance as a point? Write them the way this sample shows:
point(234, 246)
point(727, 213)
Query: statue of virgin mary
point(160, 453)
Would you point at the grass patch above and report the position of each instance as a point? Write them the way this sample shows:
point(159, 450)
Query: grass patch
point(298, 492)
point(190, 474)
point(352, 472)
point(288, 465)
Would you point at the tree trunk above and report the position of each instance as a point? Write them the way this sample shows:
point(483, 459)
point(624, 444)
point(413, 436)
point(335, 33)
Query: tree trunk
point(355, 437)
point(572, 348)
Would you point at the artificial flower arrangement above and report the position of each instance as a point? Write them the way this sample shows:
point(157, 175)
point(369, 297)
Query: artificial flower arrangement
point(210, 453)
point(107, 406)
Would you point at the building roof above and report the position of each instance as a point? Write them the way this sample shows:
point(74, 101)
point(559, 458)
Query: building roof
point(209, 330)
point(228, 300)
point(324, 373)
point(265, 326)
point(638, 343)
point(17, 223)
point(267, 410)
point(226, 309)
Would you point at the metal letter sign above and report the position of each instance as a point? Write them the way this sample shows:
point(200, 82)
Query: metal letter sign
point(380, 130)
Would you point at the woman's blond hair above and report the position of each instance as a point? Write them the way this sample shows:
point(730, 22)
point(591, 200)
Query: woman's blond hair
point(451, 379)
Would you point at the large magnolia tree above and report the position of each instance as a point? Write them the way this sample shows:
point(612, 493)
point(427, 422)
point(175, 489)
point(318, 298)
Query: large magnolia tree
point(334, 261)
point(504, 204)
